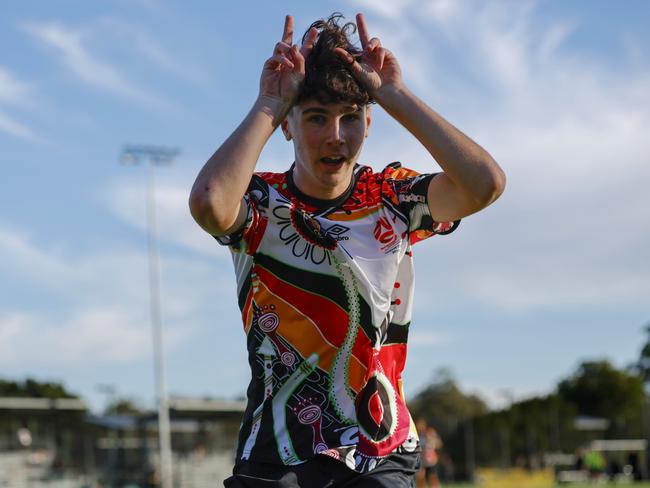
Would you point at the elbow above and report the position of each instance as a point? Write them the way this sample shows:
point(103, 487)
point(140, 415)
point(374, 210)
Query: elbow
point(497, 183)
point(493, 185)
point(199, 206)
point(210, 215)
point(196, 204)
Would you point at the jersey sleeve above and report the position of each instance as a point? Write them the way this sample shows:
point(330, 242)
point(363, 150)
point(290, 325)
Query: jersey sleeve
point(411, 190)
point(248, 237)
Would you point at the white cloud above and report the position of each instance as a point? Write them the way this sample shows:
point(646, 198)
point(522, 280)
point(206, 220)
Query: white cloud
point(174, 221)
point(443, 10)
point(99, 302)
point(553, 39)
point(155, 53)
point(10, 328)
point(86, 66)
point(141, 41)
point(571, 134)
point(105, 335)
point(86, 317)
point(20, 94)
point(425, 338)
point(551, 285)
point(12, 90)
point(82, 278)
point(28, 258)
point(17, 129)
point(386, 9)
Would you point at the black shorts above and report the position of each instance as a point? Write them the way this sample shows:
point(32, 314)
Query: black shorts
point(396, 471)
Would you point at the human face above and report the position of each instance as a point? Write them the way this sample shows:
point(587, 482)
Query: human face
point(327, 141)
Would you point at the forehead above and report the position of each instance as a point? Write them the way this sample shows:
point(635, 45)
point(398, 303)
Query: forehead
point(314, 106)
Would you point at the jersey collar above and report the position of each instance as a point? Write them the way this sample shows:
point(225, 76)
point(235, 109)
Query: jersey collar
point(321, 203)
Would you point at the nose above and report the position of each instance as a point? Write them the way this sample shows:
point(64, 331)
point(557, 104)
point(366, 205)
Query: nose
point(335, 134)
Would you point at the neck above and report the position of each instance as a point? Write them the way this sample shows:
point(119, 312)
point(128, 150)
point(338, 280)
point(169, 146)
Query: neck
point(323, 190)
point(326, 197)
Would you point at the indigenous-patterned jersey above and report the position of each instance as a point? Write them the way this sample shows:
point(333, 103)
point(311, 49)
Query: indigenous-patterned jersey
point(325, 290)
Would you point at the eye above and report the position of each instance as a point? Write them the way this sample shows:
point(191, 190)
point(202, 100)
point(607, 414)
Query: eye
point(351, 117)
point(317, 119)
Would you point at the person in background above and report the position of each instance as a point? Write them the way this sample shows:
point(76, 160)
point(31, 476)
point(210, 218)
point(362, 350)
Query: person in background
point(430, 443)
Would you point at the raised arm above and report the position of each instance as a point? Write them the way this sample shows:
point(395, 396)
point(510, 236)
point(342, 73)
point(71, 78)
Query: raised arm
point(216, 197)
point(472, 179)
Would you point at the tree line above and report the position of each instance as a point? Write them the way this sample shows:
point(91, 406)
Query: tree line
point(523, 432)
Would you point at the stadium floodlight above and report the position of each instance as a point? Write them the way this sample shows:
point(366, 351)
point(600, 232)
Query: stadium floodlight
point(156, 156)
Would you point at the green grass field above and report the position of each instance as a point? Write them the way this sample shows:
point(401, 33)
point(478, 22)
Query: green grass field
point(568, 485)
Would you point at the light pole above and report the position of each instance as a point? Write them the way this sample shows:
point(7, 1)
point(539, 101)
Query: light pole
point(156, 156)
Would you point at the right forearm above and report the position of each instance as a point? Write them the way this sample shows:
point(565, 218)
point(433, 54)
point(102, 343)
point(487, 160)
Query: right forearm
point(222, 182)
point(217, 193)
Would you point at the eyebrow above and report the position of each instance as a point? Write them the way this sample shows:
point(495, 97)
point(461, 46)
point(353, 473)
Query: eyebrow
point(319, 110)
point(314, 110)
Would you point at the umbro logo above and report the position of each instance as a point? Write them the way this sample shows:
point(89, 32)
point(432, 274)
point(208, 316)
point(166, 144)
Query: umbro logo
point(335, 232)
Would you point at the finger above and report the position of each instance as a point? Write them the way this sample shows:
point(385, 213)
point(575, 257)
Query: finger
point(278, 60)
point(381, 55)
point(309, 42)
point(287, 35)
point(355, 67)
point(298, 59)
point(363, 31)
point(373, 44)
point(281, 48)
point(344, 55)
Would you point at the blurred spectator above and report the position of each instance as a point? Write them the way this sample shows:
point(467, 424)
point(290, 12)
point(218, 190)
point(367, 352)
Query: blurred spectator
point(580, 459)
point(430, 442)
point(595, 463)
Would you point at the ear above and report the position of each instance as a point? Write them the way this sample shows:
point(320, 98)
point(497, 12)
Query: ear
point(368, 119)
point(285, 128)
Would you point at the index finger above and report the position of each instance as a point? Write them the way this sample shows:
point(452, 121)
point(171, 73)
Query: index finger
point(363, 31)
point(287, 35)
point(308, 43)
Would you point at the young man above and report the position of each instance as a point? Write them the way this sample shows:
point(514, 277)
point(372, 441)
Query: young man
point(323, 259)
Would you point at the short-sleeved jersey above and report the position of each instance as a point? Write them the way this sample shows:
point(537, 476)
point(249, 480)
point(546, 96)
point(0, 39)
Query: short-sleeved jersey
point(325, 290)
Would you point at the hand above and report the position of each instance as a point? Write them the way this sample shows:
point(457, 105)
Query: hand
point(376, 68)
point(284, 72)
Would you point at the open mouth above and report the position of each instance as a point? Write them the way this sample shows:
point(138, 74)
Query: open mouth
point(333, 160)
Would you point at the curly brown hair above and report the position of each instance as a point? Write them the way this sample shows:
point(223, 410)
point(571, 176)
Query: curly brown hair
point(328, 78)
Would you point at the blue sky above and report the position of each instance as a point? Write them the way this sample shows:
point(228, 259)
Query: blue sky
point(555, 272)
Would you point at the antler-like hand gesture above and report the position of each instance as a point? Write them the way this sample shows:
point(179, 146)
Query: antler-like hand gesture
point(377, 68)
point(284, 72)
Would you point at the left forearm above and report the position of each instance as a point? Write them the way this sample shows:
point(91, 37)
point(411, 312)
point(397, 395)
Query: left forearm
point(467, 164)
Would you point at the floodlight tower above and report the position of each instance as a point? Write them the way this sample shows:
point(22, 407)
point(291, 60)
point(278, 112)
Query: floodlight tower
point(156, 156)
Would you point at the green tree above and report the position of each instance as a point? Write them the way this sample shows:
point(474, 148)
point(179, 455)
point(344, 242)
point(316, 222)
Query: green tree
point(643, 365)
point(443, 404)
point(525, 431)
point(34, 389)
point(599, 389)
point(123, 406)
point(447, 408)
